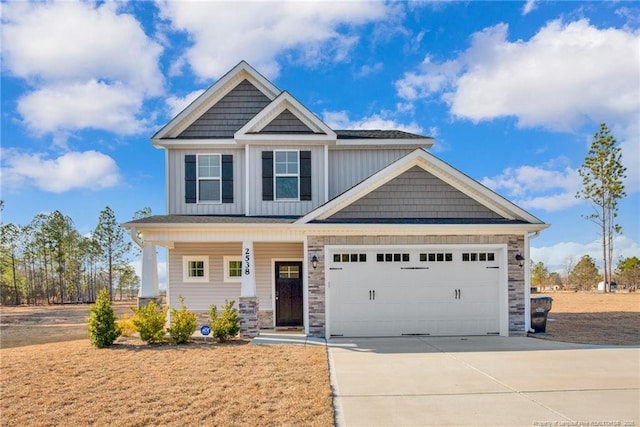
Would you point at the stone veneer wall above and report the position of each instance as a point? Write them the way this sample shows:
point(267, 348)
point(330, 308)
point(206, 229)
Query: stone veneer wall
point(316, 295)
point(515, 273)
point(265, 319)
point(248, 312)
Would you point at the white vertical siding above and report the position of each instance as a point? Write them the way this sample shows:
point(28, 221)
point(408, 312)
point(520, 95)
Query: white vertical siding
point(349, 167)
point(258, 207)
point(199, 296)
point(175, 182)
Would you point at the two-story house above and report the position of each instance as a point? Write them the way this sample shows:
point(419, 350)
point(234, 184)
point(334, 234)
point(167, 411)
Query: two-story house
point(338, 232)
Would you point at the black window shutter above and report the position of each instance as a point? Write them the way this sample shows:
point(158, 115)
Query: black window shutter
point(305, 175)
point(190, 178)
point(267, 175)
point(227, 178)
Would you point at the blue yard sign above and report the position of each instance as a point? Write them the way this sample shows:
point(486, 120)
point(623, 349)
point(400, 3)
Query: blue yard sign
point(205, 330)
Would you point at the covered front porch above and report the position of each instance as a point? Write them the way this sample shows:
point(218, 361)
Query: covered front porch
point(264, 271)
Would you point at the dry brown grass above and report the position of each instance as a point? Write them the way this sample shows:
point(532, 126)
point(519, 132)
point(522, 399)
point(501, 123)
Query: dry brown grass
point(132, 384)
point(594, 318)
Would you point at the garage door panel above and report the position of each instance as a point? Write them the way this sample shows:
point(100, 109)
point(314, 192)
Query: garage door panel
point(392, 291)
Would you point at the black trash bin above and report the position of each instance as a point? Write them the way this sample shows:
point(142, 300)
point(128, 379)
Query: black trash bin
point(540, 307)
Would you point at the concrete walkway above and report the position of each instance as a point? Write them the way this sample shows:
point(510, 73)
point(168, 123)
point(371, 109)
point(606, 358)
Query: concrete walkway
point(482, 381)
point(286, 338)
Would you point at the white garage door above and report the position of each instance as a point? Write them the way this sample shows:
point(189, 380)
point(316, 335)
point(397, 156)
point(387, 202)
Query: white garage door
point(389, 291)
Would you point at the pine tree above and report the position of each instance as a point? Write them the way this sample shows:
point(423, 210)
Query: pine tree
point(111, 239)
point(602, 175)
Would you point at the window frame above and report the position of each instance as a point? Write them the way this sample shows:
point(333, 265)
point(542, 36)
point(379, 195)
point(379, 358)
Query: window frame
point(199, 178)
point(227, 277)
point(277, 175)
point(186, 270)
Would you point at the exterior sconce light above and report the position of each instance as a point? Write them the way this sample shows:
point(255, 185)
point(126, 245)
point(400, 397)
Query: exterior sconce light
point(314, 262)
point(520, 260)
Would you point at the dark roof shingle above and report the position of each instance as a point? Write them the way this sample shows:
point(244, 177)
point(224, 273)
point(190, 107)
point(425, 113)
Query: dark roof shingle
point(377, 134)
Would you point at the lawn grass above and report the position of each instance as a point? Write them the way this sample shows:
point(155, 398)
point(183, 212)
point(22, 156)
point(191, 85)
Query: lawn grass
point(594, 318)
point(51, 376)
point(132, 384)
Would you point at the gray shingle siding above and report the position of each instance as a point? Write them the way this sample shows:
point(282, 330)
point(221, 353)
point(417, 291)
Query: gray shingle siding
point(416, 194)
point(229, 114)
point(287, 122)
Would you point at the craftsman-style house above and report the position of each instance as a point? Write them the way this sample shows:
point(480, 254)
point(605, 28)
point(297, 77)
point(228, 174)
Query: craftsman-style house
point(337, 232)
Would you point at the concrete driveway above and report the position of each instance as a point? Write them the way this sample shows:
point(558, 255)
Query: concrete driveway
point(474, 381)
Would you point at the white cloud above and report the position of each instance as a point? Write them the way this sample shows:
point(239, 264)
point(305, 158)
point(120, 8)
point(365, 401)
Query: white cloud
point(93, 104)
point(68, 51)
point(309, 32)
point(545, 187)
point(529, 6)
point(74, 170)
point(555, 257)
point(176, 104)
point(340, 120)
point(564, 76)
point(367, 70)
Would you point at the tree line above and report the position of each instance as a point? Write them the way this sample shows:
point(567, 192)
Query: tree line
point(49, 261)
point(585, 276)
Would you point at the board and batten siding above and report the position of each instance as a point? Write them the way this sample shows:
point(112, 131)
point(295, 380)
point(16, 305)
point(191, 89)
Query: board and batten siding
point(348, 167)
point(416, 194)
point(259, 207)
point(199, 296)
point(176, 194)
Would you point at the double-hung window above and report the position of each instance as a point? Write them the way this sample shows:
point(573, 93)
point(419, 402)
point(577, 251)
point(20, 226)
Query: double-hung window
point(287, 175)
point(209, 178)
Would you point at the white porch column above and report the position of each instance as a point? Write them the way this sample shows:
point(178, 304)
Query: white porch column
point(248, 306)
point(248, 284)
point(149, 284)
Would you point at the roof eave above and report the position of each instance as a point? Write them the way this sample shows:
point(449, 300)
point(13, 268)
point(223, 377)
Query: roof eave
point(426, 142)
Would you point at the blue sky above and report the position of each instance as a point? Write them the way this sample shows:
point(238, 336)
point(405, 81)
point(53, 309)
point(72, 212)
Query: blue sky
point(512, 92)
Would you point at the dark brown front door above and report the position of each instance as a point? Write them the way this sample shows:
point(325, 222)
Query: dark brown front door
point(288, 293)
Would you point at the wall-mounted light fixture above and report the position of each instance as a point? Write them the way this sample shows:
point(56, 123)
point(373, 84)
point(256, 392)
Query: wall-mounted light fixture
point(520, 260)
point(314, 262)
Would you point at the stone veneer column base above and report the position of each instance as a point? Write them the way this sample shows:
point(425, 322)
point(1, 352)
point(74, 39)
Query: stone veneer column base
point(248, 311)
point(144, 301)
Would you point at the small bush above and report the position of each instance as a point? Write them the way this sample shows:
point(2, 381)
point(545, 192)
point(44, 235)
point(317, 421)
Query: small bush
point(183, 324)
point(103, 329)
point(127, 325)
point(149, 321)
point(227, 325)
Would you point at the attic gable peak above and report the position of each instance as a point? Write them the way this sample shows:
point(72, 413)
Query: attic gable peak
point(212, 95)
point(282, 103)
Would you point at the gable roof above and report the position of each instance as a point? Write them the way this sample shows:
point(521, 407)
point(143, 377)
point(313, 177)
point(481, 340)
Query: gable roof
point(285, 102)
point(239, 73)
point(437, 168)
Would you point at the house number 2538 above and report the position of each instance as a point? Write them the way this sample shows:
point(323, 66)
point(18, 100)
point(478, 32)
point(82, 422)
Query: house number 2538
point(247, 263)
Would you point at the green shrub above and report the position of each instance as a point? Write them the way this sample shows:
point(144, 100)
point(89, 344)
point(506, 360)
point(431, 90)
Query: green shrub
point(103, 330)
point(183, 324)
point(126, 325)
point(227, 325)
point(150, 322)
